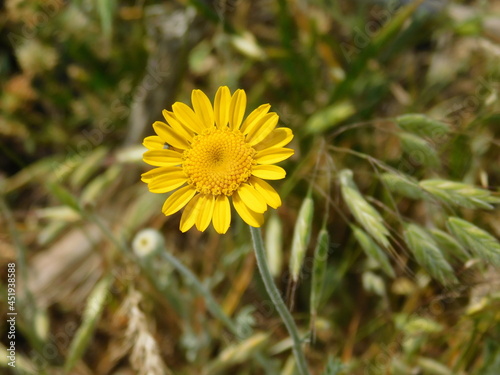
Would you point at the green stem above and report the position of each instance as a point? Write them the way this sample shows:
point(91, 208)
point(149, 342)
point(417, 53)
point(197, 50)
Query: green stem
point(191, 278)
point(277, 300)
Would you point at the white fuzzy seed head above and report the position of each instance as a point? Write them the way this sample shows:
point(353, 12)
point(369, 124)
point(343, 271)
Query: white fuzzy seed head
point(147, 242)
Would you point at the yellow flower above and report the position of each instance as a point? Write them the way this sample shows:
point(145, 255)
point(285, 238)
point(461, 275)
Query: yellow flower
point(211, 155)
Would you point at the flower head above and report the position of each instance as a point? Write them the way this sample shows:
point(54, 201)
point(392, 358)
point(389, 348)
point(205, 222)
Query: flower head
point(211, 156)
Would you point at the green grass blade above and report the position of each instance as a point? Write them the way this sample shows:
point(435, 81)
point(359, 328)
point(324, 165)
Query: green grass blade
point(95, 305)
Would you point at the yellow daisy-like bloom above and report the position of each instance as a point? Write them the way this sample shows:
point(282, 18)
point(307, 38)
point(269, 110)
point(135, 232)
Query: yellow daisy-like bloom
point(211, 155)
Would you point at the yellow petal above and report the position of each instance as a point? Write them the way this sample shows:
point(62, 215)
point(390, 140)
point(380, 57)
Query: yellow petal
point(252, 198)
point(186, 116)
point(222, 214)
point(180, 129)
point(237, 109)
point(269, 172)
point(273, 155)
point(170, 136)
point(277, 138)
point(168, 181)
point(253, 118)
point(178, 199)
point(162, 158)
point(250, 217)
point(263, 128)
point(267, 191)
point(204, 216)
point(149, 175)
point(203, 108)
point(221, 106)
point(153, 142)
point(189, 214)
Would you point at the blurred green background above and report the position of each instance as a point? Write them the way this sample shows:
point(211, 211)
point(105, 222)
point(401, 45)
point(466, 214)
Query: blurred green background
point(408, 201)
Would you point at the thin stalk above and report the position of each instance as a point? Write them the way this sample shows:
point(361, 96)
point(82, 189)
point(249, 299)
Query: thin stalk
point(196, 284)
point(277, 300)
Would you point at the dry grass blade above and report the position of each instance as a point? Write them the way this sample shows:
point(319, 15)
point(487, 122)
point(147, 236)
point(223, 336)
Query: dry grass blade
point(431, 366)
point(145, 354)
point(237, 354)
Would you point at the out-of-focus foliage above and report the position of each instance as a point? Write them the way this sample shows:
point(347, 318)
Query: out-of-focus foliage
point(395, 110)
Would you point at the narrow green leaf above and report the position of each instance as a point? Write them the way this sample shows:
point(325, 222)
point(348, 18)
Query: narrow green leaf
point(106, 10)
point(50, 231)
point(64, 196)
point(478, 241)
point(329, 117)
point(88, 167)
point(387, 34)
point(91, 315)
point(94, 189)
point(428, 255)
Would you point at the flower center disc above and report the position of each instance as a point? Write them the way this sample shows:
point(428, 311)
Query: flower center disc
point(218, 162)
